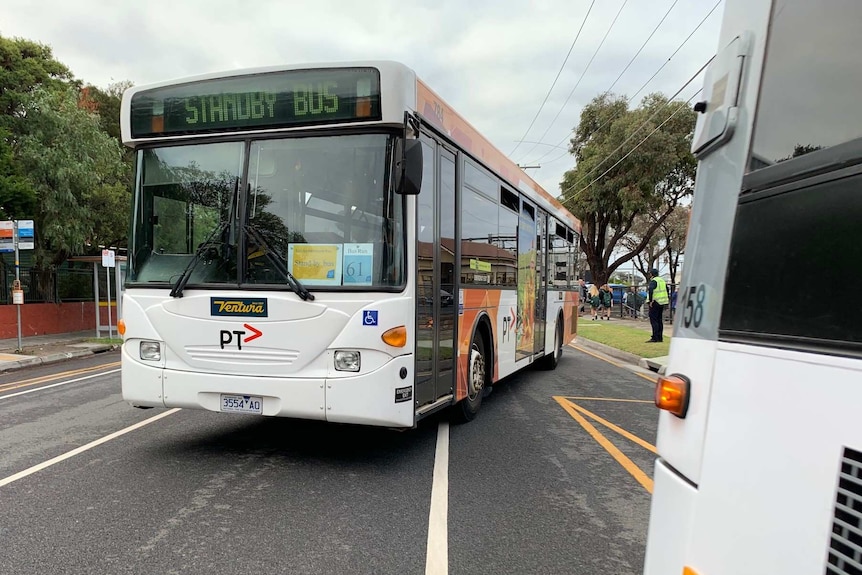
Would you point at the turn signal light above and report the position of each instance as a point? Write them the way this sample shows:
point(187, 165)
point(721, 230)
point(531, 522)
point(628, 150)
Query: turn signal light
point(121, 327)
point(688, 571)
point(396, 337)
point(672, 394)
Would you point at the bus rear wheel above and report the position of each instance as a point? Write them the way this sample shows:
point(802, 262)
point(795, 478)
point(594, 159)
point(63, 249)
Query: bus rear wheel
point(477, 378)
point(551, 360)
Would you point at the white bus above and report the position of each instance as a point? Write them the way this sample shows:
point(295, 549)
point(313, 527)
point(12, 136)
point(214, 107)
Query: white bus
point(332, 242)
point(760, 436)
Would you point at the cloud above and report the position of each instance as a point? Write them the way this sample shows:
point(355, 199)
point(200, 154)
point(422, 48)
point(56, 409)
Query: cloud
point(492, 60)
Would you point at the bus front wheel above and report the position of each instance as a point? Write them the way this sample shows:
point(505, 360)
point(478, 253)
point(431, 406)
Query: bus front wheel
point(477, 377)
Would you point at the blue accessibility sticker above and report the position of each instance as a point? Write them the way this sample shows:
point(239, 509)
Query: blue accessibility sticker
point(369, 317)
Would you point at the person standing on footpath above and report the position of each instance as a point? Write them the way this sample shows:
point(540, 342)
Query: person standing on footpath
point(583, 298)
point(657, 299)
point(606, 297)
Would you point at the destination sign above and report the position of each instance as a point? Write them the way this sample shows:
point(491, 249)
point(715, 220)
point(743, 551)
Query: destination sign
point(259, 101)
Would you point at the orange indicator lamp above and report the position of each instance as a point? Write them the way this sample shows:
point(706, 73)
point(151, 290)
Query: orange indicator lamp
point(121, 327)
point(396, 337)
point(672, 393)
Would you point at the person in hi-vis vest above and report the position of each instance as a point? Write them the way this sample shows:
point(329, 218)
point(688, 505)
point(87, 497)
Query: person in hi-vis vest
point(657, 299)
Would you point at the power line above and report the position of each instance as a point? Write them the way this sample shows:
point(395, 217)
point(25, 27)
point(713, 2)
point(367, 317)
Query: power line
point(584, 73)
point(636, 130)
point(645, 84)
point(560, 71)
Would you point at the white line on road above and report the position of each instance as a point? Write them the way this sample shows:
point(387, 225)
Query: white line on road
point(437, 556)
point(58, 384)
point(83, 448)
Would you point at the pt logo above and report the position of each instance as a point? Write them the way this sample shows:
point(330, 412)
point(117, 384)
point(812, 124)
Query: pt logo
point(227, 336)
point(508, 325)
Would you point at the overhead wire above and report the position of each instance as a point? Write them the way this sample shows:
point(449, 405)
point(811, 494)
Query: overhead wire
point(633, 96)
point(633, 134)
point(584, 73)
point(560, 71)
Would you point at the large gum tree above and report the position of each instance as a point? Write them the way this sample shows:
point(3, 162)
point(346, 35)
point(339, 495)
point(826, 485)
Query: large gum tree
point(609, 187)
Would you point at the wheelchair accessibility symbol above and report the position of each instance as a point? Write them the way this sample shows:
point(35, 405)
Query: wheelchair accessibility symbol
point(369, 317)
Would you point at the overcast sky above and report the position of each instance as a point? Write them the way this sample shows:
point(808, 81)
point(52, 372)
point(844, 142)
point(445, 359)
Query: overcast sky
point(494, 61)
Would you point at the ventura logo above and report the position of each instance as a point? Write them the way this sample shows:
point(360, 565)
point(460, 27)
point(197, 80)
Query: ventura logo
point(238, 307)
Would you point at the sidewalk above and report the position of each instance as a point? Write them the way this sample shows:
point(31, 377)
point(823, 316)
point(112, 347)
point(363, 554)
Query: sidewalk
point(656, 364)
point(47, 349)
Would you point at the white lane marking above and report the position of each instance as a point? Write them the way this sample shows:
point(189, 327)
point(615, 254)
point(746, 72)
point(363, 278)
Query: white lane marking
point(437, 555)
point(83, 448)
point(2, 397)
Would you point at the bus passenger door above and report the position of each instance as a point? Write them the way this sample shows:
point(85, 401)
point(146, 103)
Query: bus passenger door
point(436, 300)
point(541, 280)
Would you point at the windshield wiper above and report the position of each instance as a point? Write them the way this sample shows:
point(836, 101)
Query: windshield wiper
point(181, 282)
point(279, 265)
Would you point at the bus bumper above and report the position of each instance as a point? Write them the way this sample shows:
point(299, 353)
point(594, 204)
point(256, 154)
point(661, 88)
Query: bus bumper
point(670, 523)
point(381, 397)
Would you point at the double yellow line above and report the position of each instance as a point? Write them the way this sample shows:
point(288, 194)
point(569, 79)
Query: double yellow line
point(55, 376)
point(577, 412)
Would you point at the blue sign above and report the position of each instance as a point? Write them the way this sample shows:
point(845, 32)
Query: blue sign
point(242, 307)
point(369, 317)
point(357, 263)
point(26, 235)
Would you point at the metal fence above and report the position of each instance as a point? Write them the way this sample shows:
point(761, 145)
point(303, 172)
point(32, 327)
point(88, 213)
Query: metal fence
point(632, 305)
point(71, 282)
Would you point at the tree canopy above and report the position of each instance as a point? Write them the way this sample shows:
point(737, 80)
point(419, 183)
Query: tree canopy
point(61, 161)
point(609, 187)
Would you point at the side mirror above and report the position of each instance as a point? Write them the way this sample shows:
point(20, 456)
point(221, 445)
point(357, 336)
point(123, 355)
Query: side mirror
point(410, 182)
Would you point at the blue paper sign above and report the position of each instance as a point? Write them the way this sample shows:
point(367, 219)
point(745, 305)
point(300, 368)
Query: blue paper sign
point(357, 263)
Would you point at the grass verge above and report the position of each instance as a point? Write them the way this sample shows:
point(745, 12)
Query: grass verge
point(624, 338)
point(108, 340)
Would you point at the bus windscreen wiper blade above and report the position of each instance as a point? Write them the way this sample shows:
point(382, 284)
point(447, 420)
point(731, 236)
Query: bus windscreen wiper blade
point(181, 282)
point(279, 265)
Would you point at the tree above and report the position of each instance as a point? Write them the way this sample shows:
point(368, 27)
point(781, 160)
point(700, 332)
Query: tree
point(609, 188)
point(69, 162)
point(106, 103)
point(110, 203)
point(645, 259)
point(25, 66)
point(673, 233)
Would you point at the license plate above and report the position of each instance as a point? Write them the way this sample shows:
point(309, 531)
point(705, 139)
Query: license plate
point(241, 403)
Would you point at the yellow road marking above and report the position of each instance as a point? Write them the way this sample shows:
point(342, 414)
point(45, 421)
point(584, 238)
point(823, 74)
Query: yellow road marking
point(646, 377)
point(630, 436)
point(611, 399)
point(46, 378)
point(612, 449)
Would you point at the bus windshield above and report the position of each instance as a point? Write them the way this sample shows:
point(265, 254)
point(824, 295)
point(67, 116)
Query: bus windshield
point(319, 209)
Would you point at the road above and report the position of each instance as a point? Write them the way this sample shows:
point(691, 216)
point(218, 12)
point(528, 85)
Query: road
point(536, 484)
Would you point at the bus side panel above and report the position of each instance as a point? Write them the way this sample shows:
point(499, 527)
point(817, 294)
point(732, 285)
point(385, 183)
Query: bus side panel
point(671, 516)
point(793, 413)
point(500, 306)
point(567, 301)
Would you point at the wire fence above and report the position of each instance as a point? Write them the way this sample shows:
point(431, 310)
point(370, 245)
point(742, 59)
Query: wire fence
point(630, 303)
point(71, 282)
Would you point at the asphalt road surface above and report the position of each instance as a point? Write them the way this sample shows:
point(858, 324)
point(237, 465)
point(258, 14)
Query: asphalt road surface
point(552, 477)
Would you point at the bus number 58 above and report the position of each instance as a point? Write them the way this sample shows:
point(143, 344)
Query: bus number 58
point(694, 301)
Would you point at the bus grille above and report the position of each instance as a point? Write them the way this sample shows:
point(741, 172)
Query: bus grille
point(249, 355)
point(845, 548)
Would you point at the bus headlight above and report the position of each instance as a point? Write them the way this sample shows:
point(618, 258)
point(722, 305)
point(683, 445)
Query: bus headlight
point(151, 350)
point(347, 360)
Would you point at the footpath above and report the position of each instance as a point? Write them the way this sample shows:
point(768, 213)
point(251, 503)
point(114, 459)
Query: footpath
point(47, 349)
point(656, 364)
